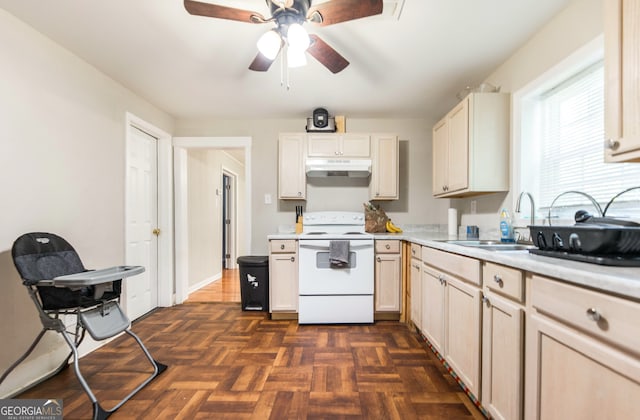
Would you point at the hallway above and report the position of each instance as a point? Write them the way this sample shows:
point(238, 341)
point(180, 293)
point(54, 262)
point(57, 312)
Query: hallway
point(227, 289)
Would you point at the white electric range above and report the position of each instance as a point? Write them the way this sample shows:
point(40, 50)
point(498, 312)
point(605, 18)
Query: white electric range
point(329, 293)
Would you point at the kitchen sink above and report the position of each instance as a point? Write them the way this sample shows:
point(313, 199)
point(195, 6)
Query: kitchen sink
point(492, 245)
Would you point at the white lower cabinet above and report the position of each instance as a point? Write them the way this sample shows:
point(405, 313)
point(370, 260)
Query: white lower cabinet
point(529, 346)
point(283, 276)
point(433, 302)
point(502, 341)
point(388, 271)
point(502, 357)
point(582, 354)
point(415, 286)
point(451, 318)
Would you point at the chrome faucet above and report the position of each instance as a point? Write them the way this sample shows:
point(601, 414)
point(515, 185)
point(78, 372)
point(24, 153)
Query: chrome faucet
point(533, 206)
point(532, 217)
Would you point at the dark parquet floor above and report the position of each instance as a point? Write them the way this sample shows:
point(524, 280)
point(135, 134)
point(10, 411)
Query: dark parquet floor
point(228, 364)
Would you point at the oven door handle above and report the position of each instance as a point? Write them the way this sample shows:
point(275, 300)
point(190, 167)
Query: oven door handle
point(326, 247)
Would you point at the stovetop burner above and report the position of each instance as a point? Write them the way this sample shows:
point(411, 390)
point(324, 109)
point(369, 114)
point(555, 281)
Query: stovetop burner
point(612, 260)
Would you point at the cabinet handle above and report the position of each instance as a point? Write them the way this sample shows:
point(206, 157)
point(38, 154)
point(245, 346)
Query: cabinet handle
point(337, 153)
point(611, 144)
point(413, 251)
point(593, 314)
point(387, 246)
point(379, 259)
point(282, 246)
point(299, 193)
point(498, 280)
point(486, 301)
point(417, 266)
point(293, 259)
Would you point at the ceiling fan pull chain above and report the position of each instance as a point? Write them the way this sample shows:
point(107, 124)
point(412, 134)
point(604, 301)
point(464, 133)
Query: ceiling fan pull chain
point(285, 66)
point(282, 65)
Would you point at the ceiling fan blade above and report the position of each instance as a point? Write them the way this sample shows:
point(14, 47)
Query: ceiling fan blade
point(260, 63)
point(326, 55)
point(222, 12)
point(337, 11)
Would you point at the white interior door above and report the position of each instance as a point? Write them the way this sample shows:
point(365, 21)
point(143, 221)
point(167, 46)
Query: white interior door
point(141, 292)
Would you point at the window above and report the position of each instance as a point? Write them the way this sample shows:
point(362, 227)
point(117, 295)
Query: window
point(562, 129)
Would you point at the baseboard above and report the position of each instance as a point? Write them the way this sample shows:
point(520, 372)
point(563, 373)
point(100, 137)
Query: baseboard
point(204, 283)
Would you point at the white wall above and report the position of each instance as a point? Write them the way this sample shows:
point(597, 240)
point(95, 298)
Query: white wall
point(416, 205)
point(574, 27)
point(62, 138)
point(204, 174)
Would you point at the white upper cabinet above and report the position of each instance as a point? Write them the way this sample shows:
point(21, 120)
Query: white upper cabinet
point(339, 145)
point(384, 172)
point(292, 182)
point(622, 80)
point(471, 147)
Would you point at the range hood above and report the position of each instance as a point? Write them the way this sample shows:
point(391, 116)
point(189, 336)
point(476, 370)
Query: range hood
point(354, 168)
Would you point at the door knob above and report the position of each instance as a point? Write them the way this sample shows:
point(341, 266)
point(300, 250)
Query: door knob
point(156, 231)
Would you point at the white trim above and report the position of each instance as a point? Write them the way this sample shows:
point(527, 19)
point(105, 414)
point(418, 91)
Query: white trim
point(180, 147)
point(165, 207)
point(204, 283)
point(583, 57)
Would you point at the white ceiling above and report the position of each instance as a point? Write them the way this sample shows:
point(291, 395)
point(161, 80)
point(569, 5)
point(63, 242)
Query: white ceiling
point(196, 67)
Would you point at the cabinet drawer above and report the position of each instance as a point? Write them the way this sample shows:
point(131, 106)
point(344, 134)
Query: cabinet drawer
point(416, 251)
point(283, 245)
point(607, 317)
point(459, 265)
point(506, 281)
point(387, 247)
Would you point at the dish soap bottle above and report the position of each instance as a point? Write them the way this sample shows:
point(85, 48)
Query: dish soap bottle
point(506, 227)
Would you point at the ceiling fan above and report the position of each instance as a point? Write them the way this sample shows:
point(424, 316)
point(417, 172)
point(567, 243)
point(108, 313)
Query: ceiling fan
point(289, 16)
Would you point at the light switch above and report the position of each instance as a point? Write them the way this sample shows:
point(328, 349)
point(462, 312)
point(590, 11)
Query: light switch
point(267, 199)
point(474, 206)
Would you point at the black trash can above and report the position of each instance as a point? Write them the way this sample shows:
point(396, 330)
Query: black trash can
point(254, 282)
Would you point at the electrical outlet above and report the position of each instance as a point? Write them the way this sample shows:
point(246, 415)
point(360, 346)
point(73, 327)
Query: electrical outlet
point(474, 206)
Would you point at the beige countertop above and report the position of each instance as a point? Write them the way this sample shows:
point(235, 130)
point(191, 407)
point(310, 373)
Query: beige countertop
point(622, 281)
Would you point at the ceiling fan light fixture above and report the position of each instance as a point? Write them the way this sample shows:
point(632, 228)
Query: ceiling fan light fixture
point(296, 58)
point(297, 37)
point(269, 44)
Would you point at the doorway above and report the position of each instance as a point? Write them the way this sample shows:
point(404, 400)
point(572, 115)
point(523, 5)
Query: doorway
point(241, 235)
point(228, 220)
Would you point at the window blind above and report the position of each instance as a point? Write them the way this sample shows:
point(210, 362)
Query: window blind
point(571, 140)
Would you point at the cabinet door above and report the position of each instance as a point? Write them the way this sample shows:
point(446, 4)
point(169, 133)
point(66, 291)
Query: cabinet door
point(387, 283)
point(292, 183)
point(622, 80)
point(323, 145)
point(416, 292)
point(440, 157)
point(355, 145)
point(458, 156)
point(502, 357)
point(462, 331)
point(574, 376)
point(433, 307)
point(283, 282)
point(384, 173)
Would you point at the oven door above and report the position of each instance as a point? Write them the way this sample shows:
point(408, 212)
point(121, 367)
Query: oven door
point(318, 277)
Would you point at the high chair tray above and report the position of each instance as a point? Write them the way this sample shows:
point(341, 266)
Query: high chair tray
point(93, 277)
